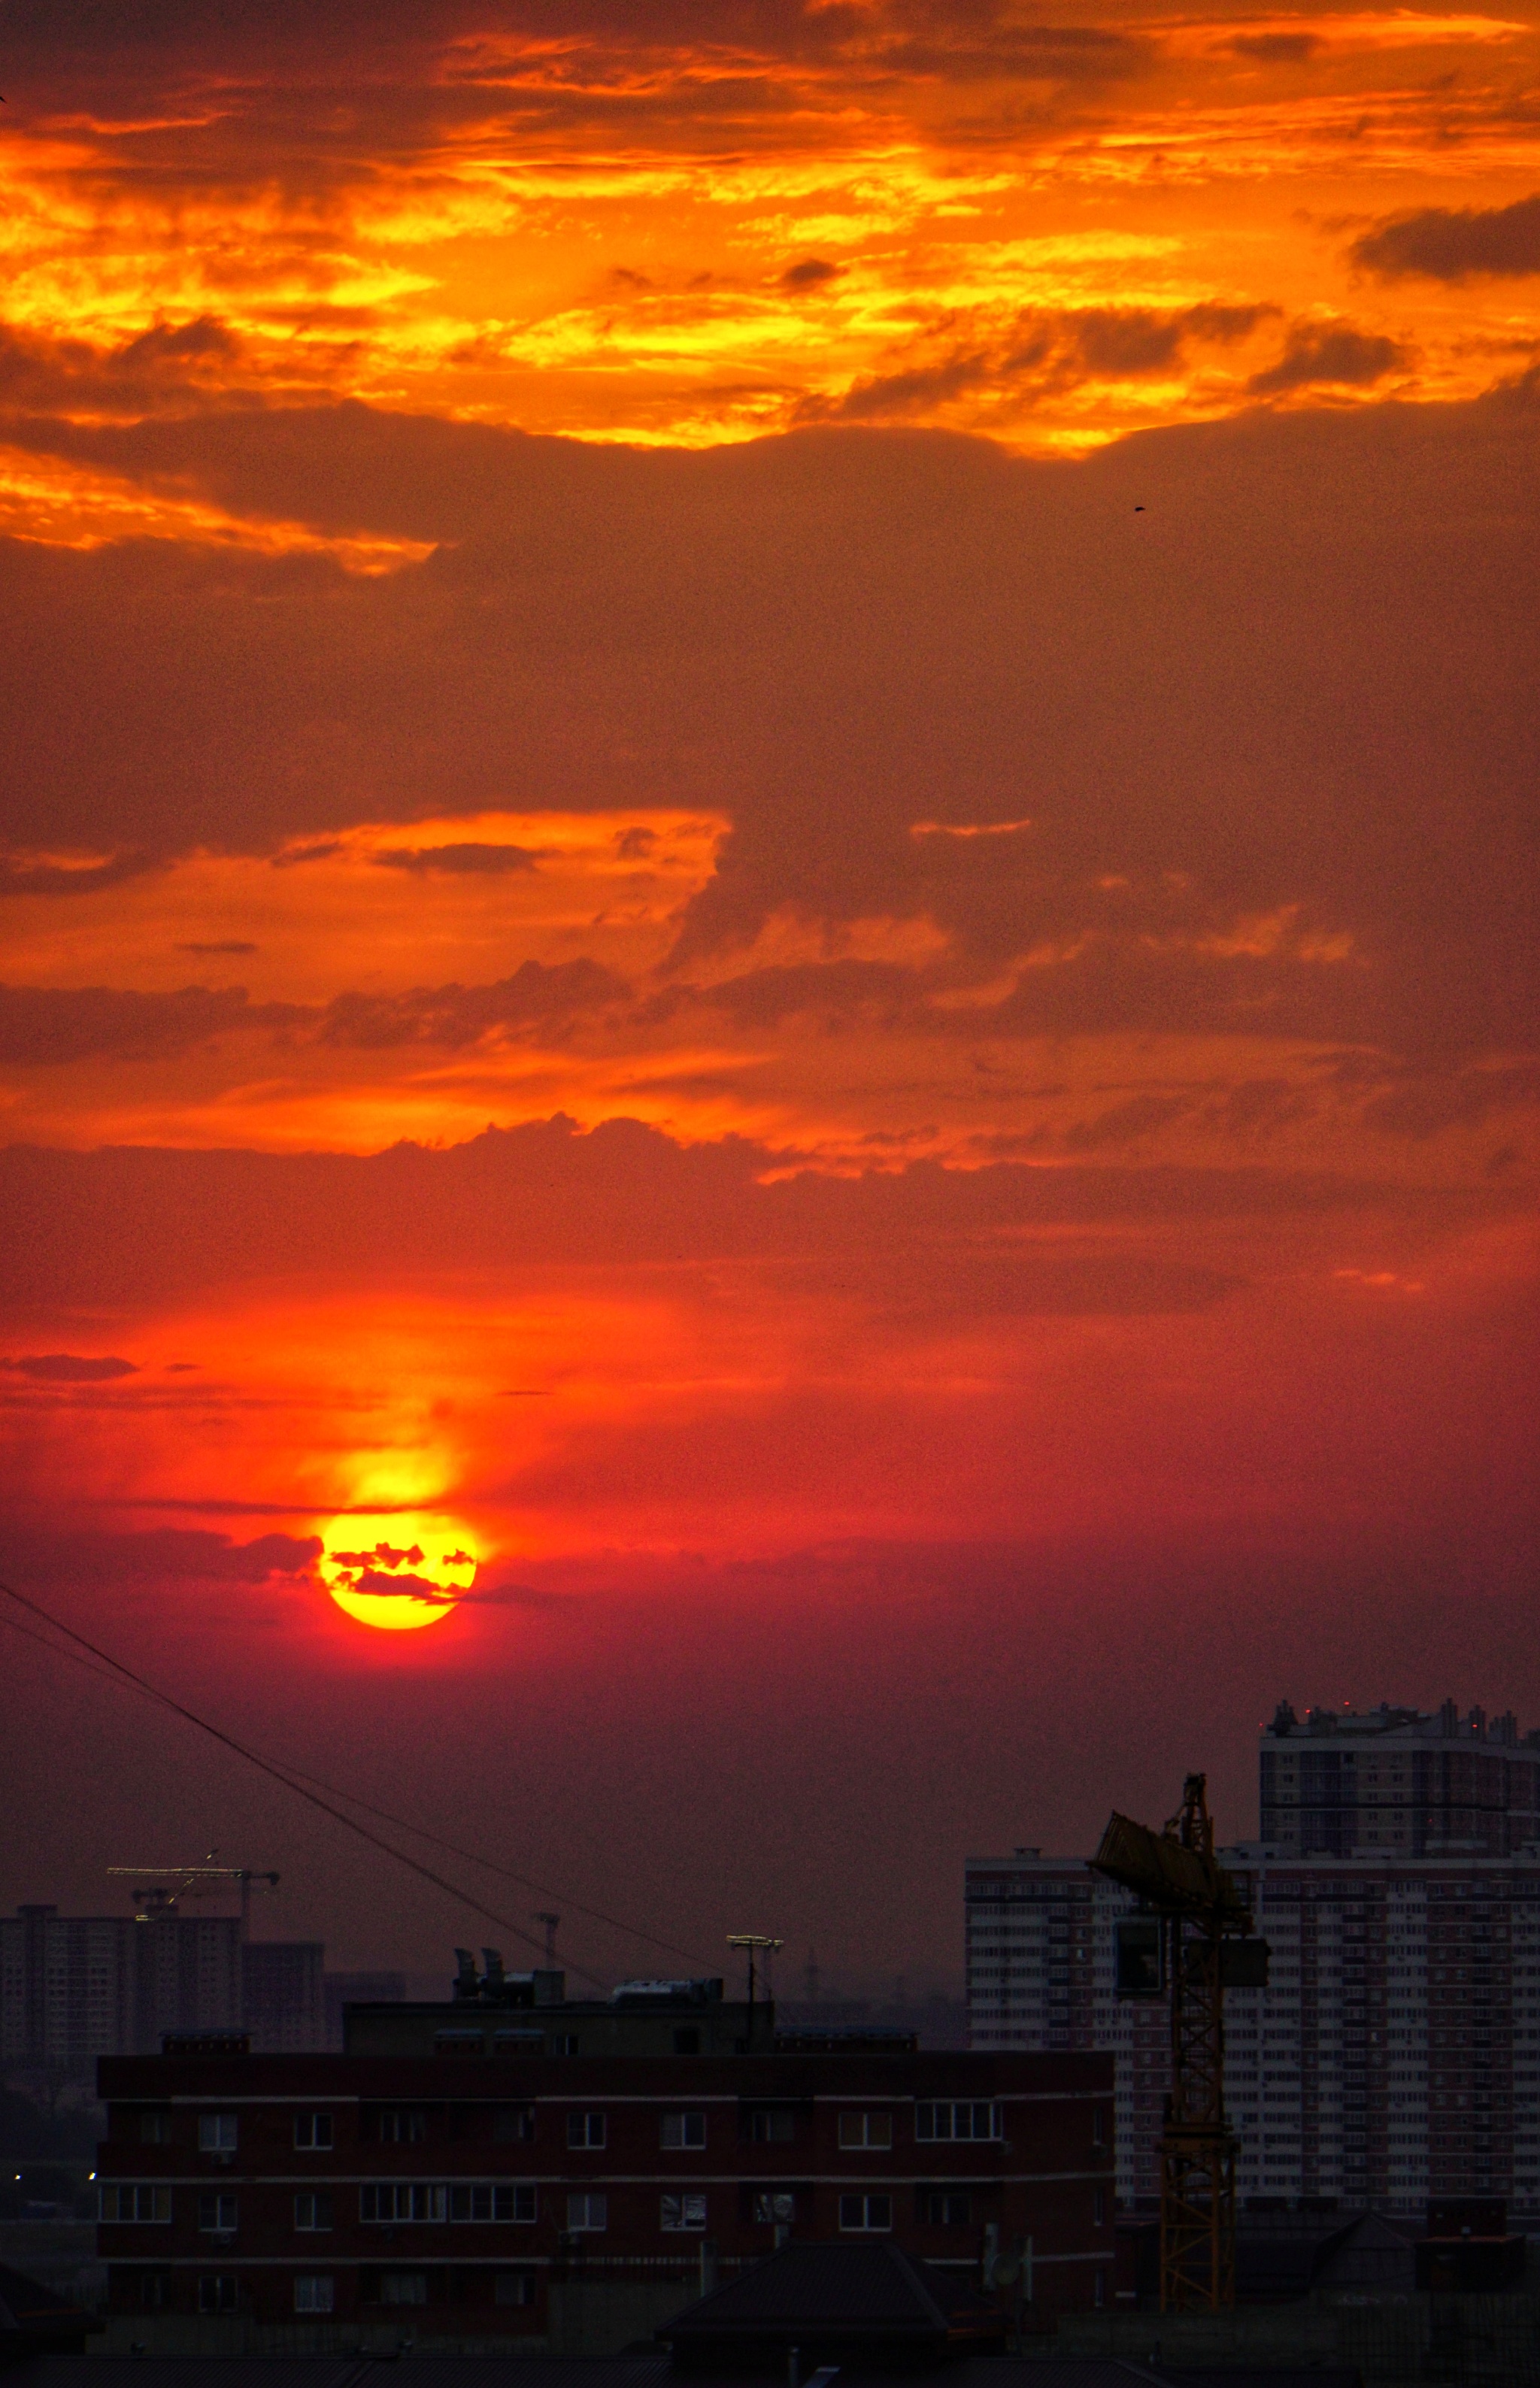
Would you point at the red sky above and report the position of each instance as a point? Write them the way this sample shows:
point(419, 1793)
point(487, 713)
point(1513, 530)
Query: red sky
point(769, 849)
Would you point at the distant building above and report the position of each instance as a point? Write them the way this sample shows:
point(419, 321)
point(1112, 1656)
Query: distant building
point(1398, 1781)
point(1395, 2055)
point(497, 2013)
point(464, 2196)
point(73, 1987)
point(339, 1991)
point(282, 1994)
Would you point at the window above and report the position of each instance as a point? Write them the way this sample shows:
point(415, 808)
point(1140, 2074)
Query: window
point(563, 2043)
point(775, 2206)
point(513, 2122)
point(218, 2209)
point(963, 2119)
point(218, 2292)
point(687, 2040)
point(459, 2043)
point(772, 2125)
point(685, 2213)
point(127, 2201)
point(585, 2131)
point(587, 2210)
point(866, 2213)
point(313, 2210)
point(217, 2134)
point(1099, 2288)
point(312, 2130)
point(513, 2289)
point(686, 2129)
point(155, 2127)
point(398, 2124)
point(866, 2130)
point(403, 2201)
point(154, 2291)
point(403, 2288)
point(313, 2293)
point(1099, 2208)
point(948, 2209)
point(491, 2201)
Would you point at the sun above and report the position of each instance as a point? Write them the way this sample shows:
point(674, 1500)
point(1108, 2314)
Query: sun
point(397, 1569)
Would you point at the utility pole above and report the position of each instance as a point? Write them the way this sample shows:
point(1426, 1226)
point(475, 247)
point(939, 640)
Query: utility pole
point(756, 1943)
point(543, 1915)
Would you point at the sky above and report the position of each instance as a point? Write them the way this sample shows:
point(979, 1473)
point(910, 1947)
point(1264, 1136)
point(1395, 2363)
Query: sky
point(768, 934)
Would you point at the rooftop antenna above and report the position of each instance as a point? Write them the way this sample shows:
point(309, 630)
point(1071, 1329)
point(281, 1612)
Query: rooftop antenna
point(755, 1943)
point(543, 1915)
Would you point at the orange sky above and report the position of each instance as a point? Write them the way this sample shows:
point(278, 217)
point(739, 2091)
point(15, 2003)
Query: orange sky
point(769, 848)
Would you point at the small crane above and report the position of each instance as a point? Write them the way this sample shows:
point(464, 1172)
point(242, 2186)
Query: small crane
point(166, 1885)
point(1197, 1944)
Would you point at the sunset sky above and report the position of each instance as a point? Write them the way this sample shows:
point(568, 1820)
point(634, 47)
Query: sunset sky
point(771, 943)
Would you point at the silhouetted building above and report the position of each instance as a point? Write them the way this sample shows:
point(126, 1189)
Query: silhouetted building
point(339, 1990)
point(1398, 1781)
point(498, 2014)
point(283, 1996)
point(73, 1987)
point(455, 2194)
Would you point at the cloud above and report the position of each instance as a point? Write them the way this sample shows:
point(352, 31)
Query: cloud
point(809, 273)
point(537, 995)
point(20, 876)
point(70, 1368)
point(220, 946)
point(1275, 49)
point(1330, 356)
point(1454, 244)
point(51, 1026)
point(468, 858)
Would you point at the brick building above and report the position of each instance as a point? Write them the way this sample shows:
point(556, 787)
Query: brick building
point(451, 2197)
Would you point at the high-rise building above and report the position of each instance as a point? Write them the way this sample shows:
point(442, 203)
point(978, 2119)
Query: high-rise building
point(1395, 2055)
point(1398, 1780)
point(282, 1994)
point(73, 1987)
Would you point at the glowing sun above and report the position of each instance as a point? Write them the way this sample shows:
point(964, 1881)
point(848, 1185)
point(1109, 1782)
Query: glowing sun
point(397, 1568)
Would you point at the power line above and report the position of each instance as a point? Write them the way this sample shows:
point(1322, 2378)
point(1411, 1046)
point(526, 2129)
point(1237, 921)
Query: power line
point(266, 1766)
point(112, 1671)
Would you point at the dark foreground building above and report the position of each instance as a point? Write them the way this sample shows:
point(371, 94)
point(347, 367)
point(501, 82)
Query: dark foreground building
point(458, 2200)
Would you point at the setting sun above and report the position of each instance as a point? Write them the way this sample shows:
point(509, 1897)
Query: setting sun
point(398, 1568)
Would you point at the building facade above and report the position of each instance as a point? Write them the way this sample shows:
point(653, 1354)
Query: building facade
point(283, 1994)
point(1394, 2056)
point(450, 2196)
point(1399, 1782)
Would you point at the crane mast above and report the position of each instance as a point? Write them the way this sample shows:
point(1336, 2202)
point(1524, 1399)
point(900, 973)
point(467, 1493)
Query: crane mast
point(1205, 1925)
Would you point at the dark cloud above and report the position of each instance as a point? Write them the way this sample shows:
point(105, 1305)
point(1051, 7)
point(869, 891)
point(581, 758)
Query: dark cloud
point(49, 1027)
point(1454, 244)
point(1330, 356)
point(220, 945)
point(809, 273)
point(23, 878)
point(1275, 49)
point(537, 995)
point(466, 858)
point(1259, 700)
point(70, 1368)
point(142, 1225)
point(1042, 349)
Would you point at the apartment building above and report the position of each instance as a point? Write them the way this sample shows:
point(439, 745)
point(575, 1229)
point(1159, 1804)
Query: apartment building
point(73, 1987)
point(447, 2194)
point(1394, 2056)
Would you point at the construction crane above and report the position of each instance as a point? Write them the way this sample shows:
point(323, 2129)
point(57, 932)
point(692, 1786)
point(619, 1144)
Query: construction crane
point(167, 1885)
point(1193, 1943)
